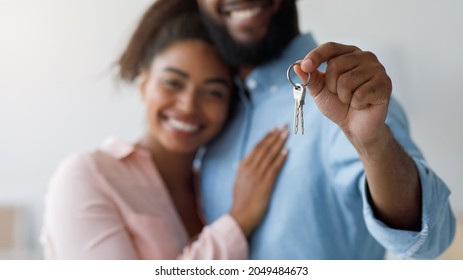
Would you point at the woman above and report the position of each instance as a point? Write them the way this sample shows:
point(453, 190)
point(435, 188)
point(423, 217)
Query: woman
point(139, 201)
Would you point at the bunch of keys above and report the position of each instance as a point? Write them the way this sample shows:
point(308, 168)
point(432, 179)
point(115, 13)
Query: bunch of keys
point(299, 99)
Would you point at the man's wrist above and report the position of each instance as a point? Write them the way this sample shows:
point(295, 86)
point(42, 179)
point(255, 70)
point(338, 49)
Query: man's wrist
point(374, 148)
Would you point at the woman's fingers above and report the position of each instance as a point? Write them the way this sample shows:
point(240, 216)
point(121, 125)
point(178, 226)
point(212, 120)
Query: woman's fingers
point(267, 149)
point(275, 166)
point(256, 177)
point(272, 152)
point(257, 152)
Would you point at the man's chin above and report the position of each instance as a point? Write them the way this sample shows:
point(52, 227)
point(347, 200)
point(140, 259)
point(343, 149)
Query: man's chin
point(247, 41)
point(254, 48)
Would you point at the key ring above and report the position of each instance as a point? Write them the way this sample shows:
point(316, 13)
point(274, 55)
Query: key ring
point(288, 74)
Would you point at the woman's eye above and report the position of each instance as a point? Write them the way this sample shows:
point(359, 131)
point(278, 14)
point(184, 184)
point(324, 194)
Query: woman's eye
point(216, 93)
point(174, 84)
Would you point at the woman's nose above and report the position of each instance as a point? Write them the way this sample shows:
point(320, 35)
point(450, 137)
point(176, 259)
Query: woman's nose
point(188, 101)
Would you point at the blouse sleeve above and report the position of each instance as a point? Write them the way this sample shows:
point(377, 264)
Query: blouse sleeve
point(80, 221)
point(221, 240)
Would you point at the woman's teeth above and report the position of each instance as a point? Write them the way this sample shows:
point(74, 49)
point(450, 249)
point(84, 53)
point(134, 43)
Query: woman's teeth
point(245, 14)
point(183, 126)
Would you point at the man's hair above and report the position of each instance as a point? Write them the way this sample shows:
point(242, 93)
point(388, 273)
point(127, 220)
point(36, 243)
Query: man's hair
point(283, 28)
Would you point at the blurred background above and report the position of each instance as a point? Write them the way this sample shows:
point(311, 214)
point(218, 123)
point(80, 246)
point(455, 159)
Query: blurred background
point(58, 92)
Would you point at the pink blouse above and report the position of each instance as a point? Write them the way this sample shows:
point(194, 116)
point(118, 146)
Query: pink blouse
point(113, 204)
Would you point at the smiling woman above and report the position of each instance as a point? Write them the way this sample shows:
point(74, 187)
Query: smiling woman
point(187, 91)
point(139, 200)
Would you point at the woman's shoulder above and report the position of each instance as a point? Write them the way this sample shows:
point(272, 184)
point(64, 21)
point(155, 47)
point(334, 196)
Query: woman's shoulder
point(77, 165)
point(109, 153)
point(81, 175)
point(101, 169)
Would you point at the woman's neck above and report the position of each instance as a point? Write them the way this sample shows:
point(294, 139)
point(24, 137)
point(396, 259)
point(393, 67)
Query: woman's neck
point(177, 172)
point(175, 169)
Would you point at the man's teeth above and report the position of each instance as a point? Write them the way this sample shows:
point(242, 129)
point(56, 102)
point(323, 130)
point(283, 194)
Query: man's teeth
point(245, 14)
point(183, 126)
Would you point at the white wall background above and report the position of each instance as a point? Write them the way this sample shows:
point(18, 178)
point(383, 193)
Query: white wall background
point(58, 93)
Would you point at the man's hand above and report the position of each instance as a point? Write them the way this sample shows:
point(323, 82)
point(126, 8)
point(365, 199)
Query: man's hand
point(354, 91)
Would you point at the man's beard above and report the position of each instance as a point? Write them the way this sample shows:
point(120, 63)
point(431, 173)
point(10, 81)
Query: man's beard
point(282, 29)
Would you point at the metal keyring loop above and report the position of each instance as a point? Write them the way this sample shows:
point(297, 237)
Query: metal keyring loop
point(288, 74)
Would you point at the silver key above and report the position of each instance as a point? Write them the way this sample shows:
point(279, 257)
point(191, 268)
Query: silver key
point(299, 100)
point(296, 114)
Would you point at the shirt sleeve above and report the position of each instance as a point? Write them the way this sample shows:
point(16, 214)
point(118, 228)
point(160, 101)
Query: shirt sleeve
point(80, 222)
point(221, 240)
point(437, 220)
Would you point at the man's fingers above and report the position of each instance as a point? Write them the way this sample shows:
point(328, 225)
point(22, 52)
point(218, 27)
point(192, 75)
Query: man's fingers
point(316, 82)
point(339, 66)
point(370, 93)
point(331, 52)
point(301, 73)
point(323, 53)
point(348, 82)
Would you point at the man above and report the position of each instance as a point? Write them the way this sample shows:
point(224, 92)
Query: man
point(354, 184)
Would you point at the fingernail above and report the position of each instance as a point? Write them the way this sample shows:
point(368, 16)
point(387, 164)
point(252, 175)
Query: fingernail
point(307, 64)
point(284, 134)
point(284, 152)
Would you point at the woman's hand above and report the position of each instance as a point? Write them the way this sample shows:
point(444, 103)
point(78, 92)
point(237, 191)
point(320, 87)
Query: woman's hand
point(256, 177)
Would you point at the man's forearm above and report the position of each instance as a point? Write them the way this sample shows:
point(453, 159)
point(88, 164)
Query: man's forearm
point(393, 182)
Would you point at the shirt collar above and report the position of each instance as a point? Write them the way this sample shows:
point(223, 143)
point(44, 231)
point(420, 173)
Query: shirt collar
point(117, 148)
point(297, 49)
point(272, 73)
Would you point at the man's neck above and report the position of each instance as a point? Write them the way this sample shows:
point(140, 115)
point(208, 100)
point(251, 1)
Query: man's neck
point(245, 70)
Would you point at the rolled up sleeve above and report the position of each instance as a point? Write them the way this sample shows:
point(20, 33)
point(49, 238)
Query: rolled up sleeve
point(437, 220)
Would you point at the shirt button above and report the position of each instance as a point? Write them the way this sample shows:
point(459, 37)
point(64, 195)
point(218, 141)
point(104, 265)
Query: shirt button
point(251, 84)
point(273, 89)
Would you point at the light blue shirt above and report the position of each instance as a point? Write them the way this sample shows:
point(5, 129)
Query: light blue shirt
point(319, 208)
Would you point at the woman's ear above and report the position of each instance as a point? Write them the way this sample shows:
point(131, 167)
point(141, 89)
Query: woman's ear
point(143, 82)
